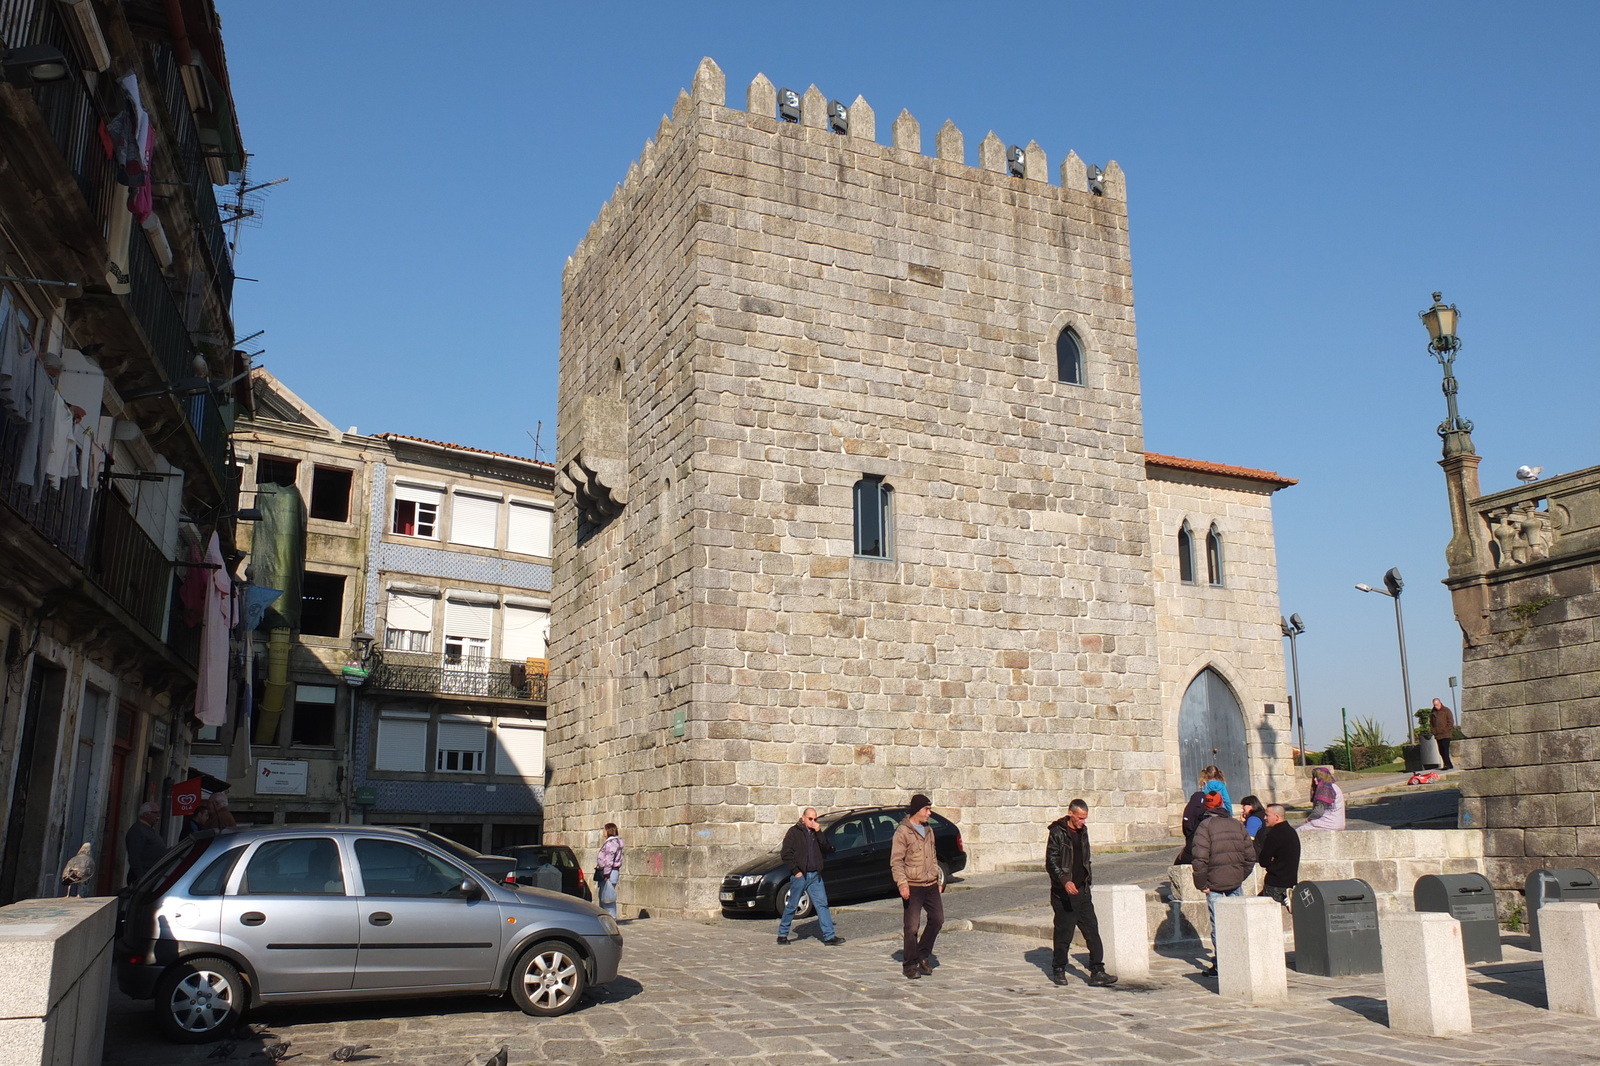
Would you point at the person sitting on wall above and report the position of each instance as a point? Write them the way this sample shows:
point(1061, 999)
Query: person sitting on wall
point(1278, 854)
point(1327, 801)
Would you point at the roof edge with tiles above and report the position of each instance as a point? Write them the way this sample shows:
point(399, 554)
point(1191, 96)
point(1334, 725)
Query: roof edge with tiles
point(1200, 466)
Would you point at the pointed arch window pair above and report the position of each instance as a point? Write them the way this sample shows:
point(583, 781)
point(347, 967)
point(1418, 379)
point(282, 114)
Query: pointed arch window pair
point(1186, 568)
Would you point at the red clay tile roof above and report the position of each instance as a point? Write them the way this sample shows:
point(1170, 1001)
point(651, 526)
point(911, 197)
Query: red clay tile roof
point(1200, 466)
point(464, 448)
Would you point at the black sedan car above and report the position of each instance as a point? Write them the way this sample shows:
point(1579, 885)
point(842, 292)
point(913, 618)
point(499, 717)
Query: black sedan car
point(552, 866)
point(858, 868)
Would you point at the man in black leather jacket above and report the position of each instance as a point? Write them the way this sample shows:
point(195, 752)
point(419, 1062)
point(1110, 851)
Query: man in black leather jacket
point(1067, 860)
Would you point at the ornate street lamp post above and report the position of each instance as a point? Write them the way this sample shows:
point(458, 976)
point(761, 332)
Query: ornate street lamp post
point(1443, 343)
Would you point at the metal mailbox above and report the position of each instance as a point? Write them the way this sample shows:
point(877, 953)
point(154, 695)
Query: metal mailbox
point(1469, 899)
point(1557, 886)
point(1336, 928)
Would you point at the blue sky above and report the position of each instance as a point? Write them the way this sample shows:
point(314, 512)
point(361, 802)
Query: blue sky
point(1300, 178)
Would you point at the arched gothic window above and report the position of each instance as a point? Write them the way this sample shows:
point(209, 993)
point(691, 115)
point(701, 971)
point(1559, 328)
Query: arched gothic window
point(1185, 555)
point(874, 517)
point(1214, 556)
point(1069, 358)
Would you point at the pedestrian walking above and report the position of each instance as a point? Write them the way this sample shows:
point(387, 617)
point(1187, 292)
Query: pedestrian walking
point(1443, 723)
point(608, 868)
point(803, 847)
point(1223, 857)
point(1278, 852)
point(914, 863)
point(1327, 801)
point(1071, 869)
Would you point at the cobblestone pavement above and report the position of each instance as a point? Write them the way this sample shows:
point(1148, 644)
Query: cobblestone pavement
point(723, 992)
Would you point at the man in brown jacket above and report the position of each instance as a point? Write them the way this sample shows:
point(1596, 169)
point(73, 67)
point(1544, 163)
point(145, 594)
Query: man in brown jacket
point(1443, 724)
point(1223, 856)
point(914, 862)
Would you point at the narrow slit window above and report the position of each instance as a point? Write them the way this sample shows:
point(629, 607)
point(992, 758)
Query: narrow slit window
point(1185, 555)
point(1214, 556)
point(873, 518)
point(1069, 358)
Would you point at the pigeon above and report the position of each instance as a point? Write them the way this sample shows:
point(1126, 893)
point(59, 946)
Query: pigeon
point(76, 873)
point(222, 1051)
point(499, 1057)
point(277, 1052)
point(1529, 473)
point(348, 1052)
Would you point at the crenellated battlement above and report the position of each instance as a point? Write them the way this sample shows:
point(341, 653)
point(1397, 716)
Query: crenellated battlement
point(856, 126)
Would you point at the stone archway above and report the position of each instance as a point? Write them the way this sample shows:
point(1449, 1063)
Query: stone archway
point(1211, 730)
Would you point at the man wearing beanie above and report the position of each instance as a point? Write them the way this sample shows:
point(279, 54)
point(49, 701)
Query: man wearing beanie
point(914, 862)
point(1223, 856)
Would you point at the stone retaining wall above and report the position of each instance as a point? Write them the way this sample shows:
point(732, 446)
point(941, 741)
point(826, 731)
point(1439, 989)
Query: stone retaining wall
point(57, 976)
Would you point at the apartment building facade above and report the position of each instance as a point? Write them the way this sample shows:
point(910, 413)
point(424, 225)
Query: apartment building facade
point(414, 681)
point(116, 357)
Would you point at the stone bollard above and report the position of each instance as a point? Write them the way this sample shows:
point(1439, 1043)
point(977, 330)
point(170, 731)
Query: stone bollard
point(1250, 963)
point(1125, 928)
point(1570, 933)
point(1425, 974)
point(56, 980)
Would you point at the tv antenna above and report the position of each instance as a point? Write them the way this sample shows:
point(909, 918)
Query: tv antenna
point(249, 198)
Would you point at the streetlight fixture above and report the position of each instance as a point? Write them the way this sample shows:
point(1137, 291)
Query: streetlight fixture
point(34, 64)
point(1393, 583)
point(1443, 344)
point(1292, 627)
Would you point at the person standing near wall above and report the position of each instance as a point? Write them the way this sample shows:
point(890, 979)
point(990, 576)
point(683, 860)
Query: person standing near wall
point(914, 864)
point(1443, 723)
point(1223, 857)
point(608, 868)
point(803, 848)
point(1068, 862)
point(144, 843)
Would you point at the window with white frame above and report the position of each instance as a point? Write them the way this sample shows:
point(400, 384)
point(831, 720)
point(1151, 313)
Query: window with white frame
point(525, 630)
point(528, 529)
point(519, 749)
point(402, 741)
point(408, 622)
point(474, 520)
point(460, 745)
point(416, 511)
point(468, 628)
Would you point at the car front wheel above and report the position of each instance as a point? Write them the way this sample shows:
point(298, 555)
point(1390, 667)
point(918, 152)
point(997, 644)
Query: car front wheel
point(199, 1000)
point(802, 909)
point(548, 980)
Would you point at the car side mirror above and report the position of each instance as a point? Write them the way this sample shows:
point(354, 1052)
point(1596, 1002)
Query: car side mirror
point(469, 889)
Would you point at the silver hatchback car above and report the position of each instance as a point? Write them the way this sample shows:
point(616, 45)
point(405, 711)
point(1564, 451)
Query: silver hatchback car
point(239, 918)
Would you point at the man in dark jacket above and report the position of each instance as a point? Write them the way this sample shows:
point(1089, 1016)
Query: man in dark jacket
point(1067, 860)
point(803, 848)
point(1442, 723)
point(1223, 856)
point(1278, 852)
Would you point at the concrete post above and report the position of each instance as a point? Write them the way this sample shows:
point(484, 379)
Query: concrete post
point(1250, 963)
point(57, 976)
point(1125, 928)
point(1425, 974)
point(1570, 933)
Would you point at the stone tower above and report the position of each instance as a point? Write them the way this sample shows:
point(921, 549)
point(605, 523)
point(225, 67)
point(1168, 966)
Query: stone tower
point(838, 528)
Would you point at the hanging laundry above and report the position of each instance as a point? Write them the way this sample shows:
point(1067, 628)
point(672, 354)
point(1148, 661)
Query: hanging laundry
point(211, 672)
point(131, 147)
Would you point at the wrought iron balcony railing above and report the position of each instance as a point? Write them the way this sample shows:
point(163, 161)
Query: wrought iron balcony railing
point(494, 679)
point(191, 153)
point(128, 566)
point(60, 514)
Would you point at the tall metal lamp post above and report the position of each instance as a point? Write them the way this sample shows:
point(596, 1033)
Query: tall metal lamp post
point(1441, 320)
point(1393, 583)
point(1292, 627)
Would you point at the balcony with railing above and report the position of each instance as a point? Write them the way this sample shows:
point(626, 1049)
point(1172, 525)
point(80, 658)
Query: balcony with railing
point(61, 513)
point(128, 566)
point(191, 156)
point(488, 679)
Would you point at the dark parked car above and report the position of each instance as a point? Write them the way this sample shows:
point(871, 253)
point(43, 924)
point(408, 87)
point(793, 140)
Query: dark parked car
point(238, 918)
point(858, 868)
point(551, 866)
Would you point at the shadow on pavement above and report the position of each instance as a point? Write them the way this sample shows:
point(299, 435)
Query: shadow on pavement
point(1371, 1008)
point(618, 991)
point(1518, 981)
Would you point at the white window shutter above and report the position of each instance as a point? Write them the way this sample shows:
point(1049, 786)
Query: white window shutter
point(402, 743)
point(468, 619)
point(417, 494)
point(528, 530)
point(474, 520)
point(524, 633)
point(407, 610)
point(519, 750)
point(461, 734)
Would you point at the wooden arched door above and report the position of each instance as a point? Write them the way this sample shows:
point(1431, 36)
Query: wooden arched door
point(1211, 731)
